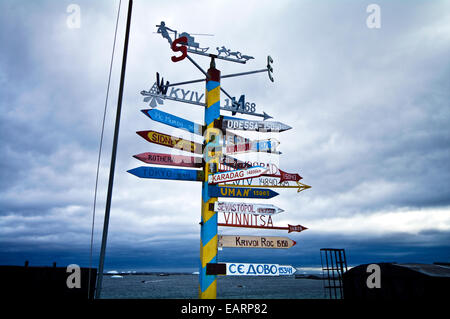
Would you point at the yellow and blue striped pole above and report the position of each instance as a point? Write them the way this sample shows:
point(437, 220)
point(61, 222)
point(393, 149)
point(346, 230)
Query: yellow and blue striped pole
point(208, 232)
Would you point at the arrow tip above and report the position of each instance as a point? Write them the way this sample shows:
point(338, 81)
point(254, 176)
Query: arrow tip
point(132, 171)
point(141, 133)
point(294, 243)
point(267, 116)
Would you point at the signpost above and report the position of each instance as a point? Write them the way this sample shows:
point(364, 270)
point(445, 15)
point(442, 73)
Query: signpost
point(174, 121)
point(240, 192)
point(236, 175)
point(212, 161)
point(246, 208)
point(170, 159)
point(171, 141)
point(237, 241)
point(244, 269)
point(167, 173)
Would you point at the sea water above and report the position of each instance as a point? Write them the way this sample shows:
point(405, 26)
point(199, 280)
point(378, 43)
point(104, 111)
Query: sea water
point(178, 286)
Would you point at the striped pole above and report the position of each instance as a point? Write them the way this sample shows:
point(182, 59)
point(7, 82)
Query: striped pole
point(208, 232)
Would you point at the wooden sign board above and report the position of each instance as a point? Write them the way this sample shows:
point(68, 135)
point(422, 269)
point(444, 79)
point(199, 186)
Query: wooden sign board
point(230, 123)
point(171, 141)
point(263, 180)
point(244, 222)
point(236, 175)
point(244, 269)
point(246, 208)
point(170, 159)
point(240, 192)
point(267, 146)
point(175, 121)
point(167, 173)
point(235, 241)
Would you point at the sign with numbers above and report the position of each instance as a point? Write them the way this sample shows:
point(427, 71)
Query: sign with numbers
point(237, 241)
point(240, 192)
point(236, 175)
point(244, 269)
point(167, 173)
point(231, 123)
point(246, 208)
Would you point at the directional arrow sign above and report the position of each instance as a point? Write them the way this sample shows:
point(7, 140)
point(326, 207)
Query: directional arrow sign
point(246, 208)
point(244, 269)
point(232, 138)
point(262, 180)
point(300, 186)
point(233, 162)
point(281, 178)
point(231, 123)
point(171, 141)
point(290, 228)
point(167, 173)
point(240, 192)
point(287, 176)
point(174, 121)
point(236, 241)
point(268, 146)
point(236, 175)
point(170, 159)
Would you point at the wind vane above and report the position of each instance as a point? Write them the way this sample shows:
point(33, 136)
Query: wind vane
point(185, 43)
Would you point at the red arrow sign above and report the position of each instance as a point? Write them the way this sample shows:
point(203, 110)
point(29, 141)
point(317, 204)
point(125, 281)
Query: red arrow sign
point(286, 176)
point(169, 159)
point(237, 164)
point(290, 228)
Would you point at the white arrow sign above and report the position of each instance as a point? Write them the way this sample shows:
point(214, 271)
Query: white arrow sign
point(240, 269)
point(246, 208)
point(235, 175)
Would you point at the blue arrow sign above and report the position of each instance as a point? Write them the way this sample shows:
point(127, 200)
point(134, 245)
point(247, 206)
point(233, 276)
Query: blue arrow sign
point(174, 121)
point(167, 173)
point(240, 192)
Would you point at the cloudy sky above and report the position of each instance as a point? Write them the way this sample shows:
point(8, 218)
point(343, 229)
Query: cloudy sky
point(369, 109)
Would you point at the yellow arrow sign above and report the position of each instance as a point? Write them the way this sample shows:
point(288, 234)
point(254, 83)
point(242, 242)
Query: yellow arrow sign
point(300, 186)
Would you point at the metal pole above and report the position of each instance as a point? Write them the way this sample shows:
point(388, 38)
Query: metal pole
point(208, 231)
point(113, 157)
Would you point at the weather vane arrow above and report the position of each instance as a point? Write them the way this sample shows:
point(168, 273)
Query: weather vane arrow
point(185, 43)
